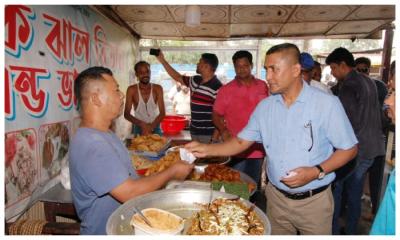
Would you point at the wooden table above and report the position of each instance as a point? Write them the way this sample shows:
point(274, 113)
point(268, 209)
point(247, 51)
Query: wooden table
point(58, 202)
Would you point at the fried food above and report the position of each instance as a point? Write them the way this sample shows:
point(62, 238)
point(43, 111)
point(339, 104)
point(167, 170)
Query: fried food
point(156, 146)
point(222, 173)
point(149, 143)
point(164, 163)
point(216, 172)
point(142, 147)
point(140, 162)
point(226, 217)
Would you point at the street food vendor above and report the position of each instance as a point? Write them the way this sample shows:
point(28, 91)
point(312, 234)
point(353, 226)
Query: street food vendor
point(147, 100)
point(102, 176)
point(299, 127)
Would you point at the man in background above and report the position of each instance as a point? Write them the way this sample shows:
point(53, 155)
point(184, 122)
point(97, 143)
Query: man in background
point(363, 65)
point(180, 99)
point(147, 101)
point(359, 97)
point(232, 109)
point(307, 71)
point(316, 71)
point(375, 176)
point(204, 88)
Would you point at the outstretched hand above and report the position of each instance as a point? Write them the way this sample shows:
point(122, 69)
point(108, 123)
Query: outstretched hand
point(199, 150)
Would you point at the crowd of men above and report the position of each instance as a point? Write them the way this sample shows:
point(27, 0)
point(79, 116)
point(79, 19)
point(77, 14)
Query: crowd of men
point(317, 146)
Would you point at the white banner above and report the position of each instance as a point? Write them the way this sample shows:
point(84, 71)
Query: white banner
point(45, 48)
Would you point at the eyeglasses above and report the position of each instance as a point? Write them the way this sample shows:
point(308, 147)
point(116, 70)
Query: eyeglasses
point(309, 125)
point(363, 70)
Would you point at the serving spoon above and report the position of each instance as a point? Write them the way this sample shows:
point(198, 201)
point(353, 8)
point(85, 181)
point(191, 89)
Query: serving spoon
point(142, 216)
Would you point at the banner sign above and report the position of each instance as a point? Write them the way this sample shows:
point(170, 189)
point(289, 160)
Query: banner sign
point(45, 49)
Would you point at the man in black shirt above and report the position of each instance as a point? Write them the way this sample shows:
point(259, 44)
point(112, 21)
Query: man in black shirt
point(363, 65)
point(359, 97)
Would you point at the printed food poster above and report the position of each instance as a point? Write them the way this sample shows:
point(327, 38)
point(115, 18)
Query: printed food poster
point(54, 143)
point(21, 168)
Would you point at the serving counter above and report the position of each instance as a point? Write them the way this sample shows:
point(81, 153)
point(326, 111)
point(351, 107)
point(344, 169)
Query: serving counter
point(58, 200)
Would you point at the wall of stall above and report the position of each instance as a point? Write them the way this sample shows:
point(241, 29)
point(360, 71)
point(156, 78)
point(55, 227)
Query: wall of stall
point(45, 48)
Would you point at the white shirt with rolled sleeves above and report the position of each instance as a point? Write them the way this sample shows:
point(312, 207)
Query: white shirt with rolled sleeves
point(286, 134)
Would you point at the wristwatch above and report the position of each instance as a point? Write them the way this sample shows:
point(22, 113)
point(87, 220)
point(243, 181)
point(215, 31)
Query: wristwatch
point(321, 174)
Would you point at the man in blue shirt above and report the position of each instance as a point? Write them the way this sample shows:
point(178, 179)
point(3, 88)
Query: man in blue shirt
point(299, 127)
point(101, 173)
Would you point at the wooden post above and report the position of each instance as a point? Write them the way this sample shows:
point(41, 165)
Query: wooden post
point(387, 54)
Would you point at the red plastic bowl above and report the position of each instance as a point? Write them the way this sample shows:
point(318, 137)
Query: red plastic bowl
point(173, 124)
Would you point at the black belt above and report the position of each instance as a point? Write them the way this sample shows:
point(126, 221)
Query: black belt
point(302, 195)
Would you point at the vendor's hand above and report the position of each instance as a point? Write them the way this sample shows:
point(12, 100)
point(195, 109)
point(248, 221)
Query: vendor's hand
point(181, 170)
point(146, 129)
point(199, 150)
point(303, 175)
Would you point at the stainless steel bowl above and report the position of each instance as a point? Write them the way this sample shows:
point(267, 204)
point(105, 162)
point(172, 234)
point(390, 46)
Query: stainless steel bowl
point(182, 202)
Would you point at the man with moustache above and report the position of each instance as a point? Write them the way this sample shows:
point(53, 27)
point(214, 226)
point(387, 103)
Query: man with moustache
point(299, 127)
point(204, 88)
point(147, 100)
point(101, 172)
point(232, 109)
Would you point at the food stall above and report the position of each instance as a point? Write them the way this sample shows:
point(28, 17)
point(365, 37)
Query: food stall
point(47, 46)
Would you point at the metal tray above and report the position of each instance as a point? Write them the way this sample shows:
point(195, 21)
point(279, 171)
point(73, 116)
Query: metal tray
point(182, 202)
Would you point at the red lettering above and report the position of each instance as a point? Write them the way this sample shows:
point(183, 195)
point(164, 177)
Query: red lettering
point(65, 95)
point(8, 108)
point(26, 83)
point(66, 41)
point(19, 31)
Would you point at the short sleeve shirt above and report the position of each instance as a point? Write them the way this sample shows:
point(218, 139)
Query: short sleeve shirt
point(201, 103)
point(302, 135)
point(236, 102)
point(98, 162)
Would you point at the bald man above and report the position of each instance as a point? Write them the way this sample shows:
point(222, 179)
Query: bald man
point(101, 172)
point(299, 127)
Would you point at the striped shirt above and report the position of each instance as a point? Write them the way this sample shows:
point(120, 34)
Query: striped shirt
point(201, 103)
